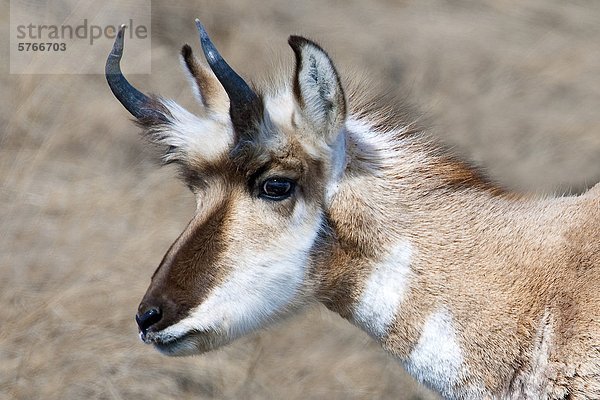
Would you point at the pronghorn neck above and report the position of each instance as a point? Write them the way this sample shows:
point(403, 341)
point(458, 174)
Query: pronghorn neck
point(404, 224)
point(397, 187)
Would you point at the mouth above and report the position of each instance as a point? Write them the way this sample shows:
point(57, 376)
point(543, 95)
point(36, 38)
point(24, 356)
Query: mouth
point(172, 347)
point(193, 342)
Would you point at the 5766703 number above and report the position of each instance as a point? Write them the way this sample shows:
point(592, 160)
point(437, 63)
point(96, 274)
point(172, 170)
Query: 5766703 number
point(41, 46)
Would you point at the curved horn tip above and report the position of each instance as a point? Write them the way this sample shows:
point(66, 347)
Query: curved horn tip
point(132, 99)
point(240, 94)
point(201, 30)
point(200, 26)
point(210, 51)
point(121, 32)
point(117, 49)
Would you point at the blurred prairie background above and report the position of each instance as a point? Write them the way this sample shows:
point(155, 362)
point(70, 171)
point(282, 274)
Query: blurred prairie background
point(86, 216)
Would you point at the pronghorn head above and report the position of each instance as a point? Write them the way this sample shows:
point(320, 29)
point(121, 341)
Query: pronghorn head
point(263, 168)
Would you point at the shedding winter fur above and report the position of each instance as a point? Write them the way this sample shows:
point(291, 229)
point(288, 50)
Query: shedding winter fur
point(309, 193)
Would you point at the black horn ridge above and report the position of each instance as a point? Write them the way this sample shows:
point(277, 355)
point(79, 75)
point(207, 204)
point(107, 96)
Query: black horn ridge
point(137, 103)
point(242, 99)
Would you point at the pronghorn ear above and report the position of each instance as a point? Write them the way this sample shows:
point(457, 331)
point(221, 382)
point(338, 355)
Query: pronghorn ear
point(317, 87)
point(205, 86)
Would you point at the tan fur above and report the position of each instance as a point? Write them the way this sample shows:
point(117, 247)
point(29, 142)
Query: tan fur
point(520, 276)
point(515, 272)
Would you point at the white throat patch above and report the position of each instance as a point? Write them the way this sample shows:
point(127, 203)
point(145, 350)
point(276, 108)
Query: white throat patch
point(384, 291)
point(437, 359)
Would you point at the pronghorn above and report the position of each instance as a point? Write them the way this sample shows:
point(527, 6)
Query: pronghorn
point(308, 193)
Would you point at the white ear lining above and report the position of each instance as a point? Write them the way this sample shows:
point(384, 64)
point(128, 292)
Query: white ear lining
point(317, 86)
point(192, 80)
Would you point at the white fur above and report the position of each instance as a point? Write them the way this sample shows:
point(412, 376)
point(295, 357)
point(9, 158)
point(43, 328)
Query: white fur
point(261, 286)
point(384, 291)
point(382, 146)
point(192, 80)
point(280, 108)
point(533, 382)
point(339, 162)
point(318, 85)
point(437, 359)
point(194, 137)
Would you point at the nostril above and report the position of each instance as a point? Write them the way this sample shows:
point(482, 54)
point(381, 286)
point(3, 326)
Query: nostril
point(148, 318)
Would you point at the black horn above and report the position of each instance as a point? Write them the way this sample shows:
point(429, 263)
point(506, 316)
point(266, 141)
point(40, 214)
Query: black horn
point(242, 99)
point(137, 103)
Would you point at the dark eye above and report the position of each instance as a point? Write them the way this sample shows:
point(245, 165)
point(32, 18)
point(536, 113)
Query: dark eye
point(277, 188)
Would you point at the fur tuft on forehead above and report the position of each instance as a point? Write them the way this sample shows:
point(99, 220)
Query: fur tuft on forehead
point(185, 138)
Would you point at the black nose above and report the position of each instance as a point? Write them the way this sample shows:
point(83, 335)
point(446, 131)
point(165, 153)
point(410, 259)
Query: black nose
point(148, 318)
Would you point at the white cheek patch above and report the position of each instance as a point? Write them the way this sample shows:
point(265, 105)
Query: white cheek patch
point(262, 286)
point(384, 292)
point(253, 295)
point(193, 137)
point(437, 359)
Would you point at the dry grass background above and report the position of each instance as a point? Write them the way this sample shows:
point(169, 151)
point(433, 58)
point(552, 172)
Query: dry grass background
point(86, 216)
